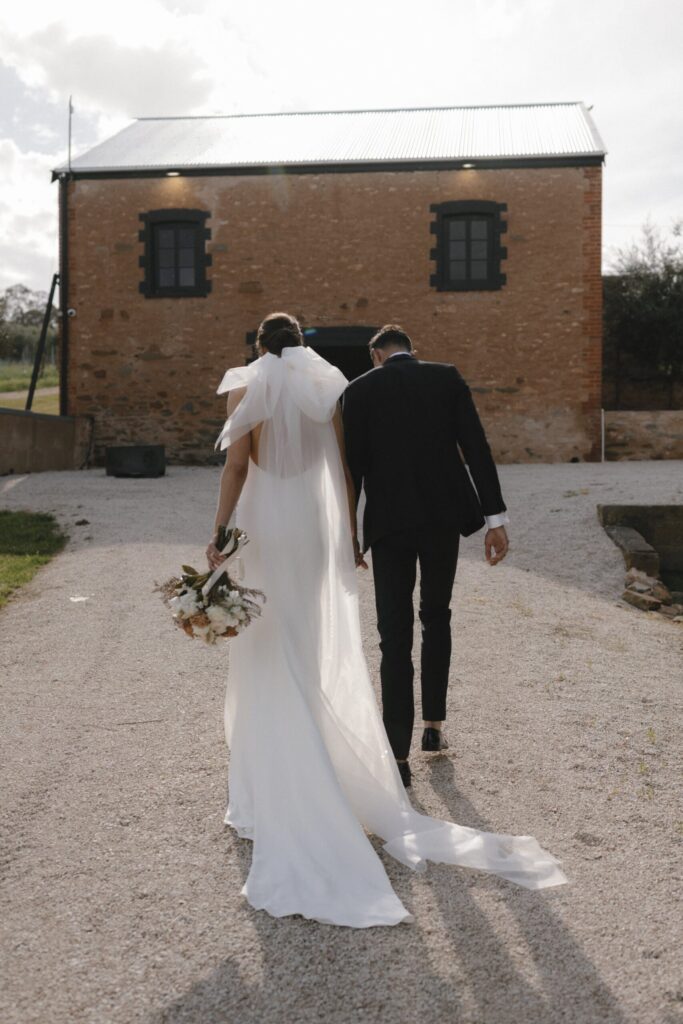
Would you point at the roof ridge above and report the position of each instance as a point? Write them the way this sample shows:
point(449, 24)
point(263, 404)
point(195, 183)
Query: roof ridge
point(368, 110)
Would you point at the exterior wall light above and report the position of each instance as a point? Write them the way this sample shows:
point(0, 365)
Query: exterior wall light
point(468, 166)
point(172, 174)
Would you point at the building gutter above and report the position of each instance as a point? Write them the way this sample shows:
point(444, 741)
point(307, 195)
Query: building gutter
point(370, 166)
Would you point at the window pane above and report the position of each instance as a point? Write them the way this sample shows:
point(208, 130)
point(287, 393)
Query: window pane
point(166, 238)
point(479, 250)
point(166, 278)
point(479, 228)
point(457, 250)
point(479, 269)
point(174, 254)
point(456, 228)
point(458, 270)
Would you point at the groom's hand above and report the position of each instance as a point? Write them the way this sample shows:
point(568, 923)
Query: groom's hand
point(495, 544)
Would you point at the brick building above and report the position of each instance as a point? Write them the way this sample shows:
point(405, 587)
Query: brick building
point(476, 228)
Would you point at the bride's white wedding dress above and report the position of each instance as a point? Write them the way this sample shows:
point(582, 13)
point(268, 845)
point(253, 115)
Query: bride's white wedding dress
point(310, 766)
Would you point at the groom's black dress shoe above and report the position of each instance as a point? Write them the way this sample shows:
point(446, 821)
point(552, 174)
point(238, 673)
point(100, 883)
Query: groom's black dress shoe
point(433, 740)
point(404, 770)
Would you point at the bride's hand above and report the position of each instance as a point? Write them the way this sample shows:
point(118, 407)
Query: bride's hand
point(213, 555)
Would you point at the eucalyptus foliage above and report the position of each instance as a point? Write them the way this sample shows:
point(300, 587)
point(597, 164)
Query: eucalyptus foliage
point(643, 307)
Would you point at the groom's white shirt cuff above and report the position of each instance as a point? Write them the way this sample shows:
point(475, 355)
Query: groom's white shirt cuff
point(497, 520)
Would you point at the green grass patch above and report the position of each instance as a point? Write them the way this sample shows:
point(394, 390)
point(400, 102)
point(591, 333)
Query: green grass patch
point(27, 541)
point(16, 376)
point(41, 403)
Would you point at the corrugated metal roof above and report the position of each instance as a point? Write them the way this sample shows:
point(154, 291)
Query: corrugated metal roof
point(348, 137)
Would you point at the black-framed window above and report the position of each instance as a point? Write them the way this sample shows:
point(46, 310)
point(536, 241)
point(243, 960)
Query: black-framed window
point(175, 257)
point(468, 252)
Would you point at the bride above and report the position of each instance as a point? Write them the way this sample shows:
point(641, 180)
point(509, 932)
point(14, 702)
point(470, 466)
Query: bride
point(311, 771)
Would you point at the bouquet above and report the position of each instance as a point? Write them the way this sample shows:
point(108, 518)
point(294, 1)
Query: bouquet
point(211, 605)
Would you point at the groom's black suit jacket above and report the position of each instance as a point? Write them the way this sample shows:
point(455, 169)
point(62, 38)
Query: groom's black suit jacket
point(403, 422)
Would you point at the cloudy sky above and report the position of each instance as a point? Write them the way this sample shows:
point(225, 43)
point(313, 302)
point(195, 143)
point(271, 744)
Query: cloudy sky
point(133, 58)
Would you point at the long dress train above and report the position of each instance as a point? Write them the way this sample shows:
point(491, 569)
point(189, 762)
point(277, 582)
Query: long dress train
point(311, 770)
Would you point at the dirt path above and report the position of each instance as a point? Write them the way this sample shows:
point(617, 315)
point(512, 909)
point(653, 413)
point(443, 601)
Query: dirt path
point(23, 393)
point(121, 893)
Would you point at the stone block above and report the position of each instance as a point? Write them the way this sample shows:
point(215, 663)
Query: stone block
point(662, 593)
point(642, 577)
point(637, 552)
point(642, 601)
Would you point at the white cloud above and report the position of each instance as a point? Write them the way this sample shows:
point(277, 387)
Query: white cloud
point(154, 57)
point(28, 218)
point(110, 76)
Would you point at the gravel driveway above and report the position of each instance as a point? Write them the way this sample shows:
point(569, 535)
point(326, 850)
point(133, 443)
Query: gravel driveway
point(121, 892)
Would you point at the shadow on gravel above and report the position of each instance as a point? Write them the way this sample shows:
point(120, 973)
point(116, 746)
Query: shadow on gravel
point(571, 987)
point(306, 972)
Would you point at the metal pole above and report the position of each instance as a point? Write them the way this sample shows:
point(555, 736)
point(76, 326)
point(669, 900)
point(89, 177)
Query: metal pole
point(40, 348)
point(602, 435)
point(71, 110)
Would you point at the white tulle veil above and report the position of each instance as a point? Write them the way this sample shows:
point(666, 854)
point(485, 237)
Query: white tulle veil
point(289, 439)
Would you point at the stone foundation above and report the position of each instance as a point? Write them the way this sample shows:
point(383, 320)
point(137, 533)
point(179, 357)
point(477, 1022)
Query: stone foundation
point(643, 435)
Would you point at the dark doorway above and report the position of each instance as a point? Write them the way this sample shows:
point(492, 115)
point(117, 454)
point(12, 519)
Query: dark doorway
point(345, 347)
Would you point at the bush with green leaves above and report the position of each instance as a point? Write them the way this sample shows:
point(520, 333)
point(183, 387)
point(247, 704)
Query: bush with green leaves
point(643, 304)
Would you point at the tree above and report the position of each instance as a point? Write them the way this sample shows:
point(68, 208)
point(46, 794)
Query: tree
point(21, 317)
point(4, 334)
point(643, 310)
point(26, 307)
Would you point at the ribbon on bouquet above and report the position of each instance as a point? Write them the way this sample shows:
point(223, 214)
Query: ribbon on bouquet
point(230, 550)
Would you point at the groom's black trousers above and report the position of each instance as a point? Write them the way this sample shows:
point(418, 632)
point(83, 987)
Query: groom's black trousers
point(394, 563)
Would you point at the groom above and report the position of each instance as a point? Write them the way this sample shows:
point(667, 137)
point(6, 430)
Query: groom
point(403, 422)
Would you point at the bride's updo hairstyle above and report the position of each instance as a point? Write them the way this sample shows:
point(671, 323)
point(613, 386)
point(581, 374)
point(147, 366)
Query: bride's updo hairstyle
point(278, 331)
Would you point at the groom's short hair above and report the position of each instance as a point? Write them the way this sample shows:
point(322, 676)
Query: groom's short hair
point(391, 335)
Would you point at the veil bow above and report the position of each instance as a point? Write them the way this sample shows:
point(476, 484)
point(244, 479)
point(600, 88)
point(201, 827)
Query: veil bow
point(313, 385)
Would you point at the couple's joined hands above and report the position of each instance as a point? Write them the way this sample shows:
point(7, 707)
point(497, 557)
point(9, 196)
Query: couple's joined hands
point(358, 555)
